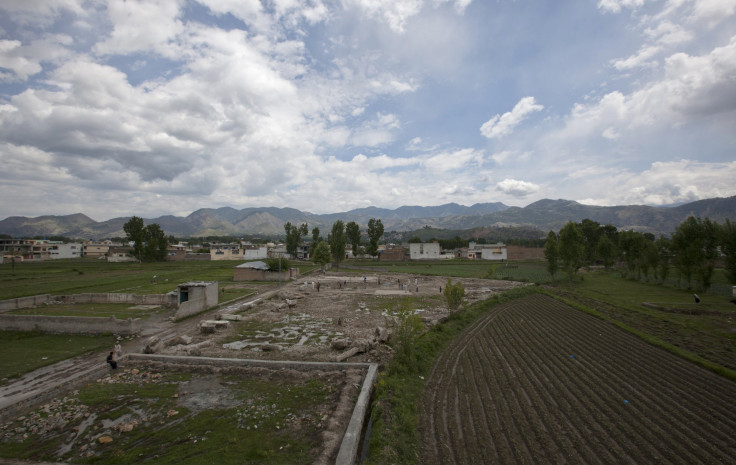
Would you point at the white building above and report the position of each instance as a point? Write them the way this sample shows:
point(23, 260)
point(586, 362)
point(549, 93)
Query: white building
point(489, 251)
point(255, 253)
point(422, 251)
point(61, 250)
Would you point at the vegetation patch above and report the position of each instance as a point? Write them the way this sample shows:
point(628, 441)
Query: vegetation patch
point(21, 352)
point(99, 310)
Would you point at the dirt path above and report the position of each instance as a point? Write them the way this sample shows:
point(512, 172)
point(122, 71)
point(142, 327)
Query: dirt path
point(536, 381)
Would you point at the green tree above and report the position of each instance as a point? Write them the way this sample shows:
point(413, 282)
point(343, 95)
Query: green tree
point(631, 247)
point(606, 251)
point(134, 232)
point(552, 254)
point(695, 246)
point(454, 294)
point(155, 243)
point(649, 256)
point(278, 263)
point(591, 231)
point(352, 233)
point(336, 240)
point(321, 254)
point(664, 246)
point(293, 237)
point(571, 248)
point(315, 236)
point(727, 240)
point(375, 232)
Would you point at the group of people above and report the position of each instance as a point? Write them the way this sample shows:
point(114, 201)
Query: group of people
point(114, 356)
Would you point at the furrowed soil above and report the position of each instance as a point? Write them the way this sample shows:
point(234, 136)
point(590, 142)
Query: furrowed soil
point(537, 381)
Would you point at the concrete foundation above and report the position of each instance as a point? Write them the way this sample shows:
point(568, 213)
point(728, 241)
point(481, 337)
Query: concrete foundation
point(349, 447)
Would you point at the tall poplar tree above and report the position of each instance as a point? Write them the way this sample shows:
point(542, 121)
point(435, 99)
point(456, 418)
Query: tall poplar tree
point(336, 239)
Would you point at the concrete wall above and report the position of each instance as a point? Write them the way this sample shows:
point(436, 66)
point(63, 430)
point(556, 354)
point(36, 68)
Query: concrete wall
point(23, 302)
point(249, 274)
point(181, 256)
point(36, 300)
point(70, 324)
point(517, 252)
point(103, 298)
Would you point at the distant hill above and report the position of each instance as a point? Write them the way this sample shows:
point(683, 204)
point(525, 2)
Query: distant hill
point(544, 215)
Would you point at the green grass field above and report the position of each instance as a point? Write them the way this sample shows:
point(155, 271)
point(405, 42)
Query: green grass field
point(76, 276)
point(22, 352)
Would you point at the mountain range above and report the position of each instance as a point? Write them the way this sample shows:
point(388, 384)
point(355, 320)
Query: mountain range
point(544, 215)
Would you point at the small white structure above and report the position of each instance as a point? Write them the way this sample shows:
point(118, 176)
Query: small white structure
point(255, 253)
point(424, 251)
point(195, 297)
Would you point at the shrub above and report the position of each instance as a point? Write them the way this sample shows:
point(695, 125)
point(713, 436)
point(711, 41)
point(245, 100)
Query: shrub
point(454, 294)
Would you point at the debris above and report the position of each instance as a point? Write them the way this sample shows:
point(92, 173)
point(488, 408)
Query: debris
point(339, 344)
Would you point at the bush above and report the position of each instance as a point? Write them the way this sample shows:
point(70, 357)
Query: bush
point(454, 294)
point(406, 335)
point(273, 264)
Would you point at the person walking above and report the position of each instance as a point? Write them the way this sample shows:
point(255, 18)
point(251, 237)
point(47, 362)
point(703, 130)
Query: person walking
point(118, 350)
point(111, 361)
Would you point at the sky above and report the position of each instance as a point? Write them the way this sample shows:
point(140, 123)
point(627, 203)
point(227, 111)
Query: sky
point(155, 107)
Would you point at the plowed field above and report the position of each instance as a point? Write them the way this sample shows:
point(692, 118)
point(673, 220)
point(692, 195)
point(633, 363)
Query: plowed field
point(536, 381)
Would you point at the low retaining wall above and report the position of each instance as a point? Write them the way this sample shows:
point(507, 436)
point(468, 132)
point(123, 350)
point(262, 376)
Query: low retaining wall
point(23, 302)
point(70, 324)
point(103, 298)
point(98, 298)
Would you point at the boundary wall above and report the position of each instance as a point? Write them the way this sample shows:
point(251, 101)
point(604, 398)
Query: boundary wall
point(100, 298)
point(70, 324)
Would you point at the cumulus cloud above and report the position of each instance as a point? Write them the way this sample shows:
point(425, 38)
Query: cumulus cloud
point(501, 125)
point(517, 188)
point(142, 26)
point(692, 88)
point(615, 6)
point(664, 183)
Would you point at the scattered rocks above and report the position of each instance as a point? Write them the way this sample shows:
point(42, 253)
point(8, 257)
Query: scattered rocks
point(340, 344)
point(210, 326)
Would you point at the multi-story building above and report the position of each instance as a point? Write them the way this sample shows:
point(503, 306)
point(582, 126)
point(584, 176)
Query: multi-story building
point(62, 250)
point(25, 249)
point(424, 251)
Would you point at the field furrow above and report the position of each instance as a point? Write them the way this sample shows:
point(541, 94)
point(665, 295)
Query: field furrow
point(537, 381)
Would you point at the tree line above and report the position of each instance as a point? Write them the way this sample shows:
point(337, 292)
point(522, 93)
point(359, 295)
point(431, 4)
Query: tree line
point(692, 251)
point(333, 248)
